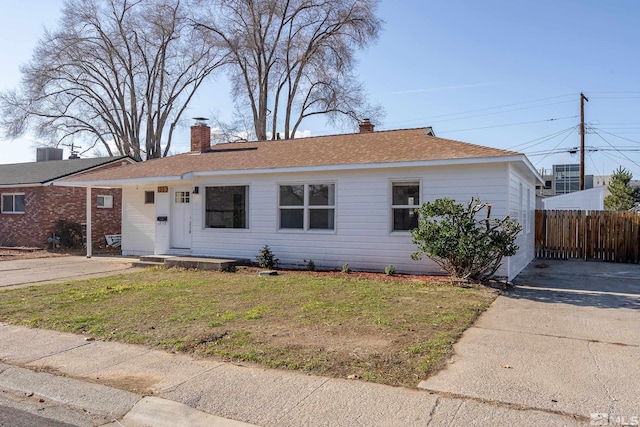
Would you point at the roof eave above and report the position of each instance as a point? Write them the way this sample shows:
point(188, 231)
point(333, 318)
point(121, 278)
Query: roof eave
point(116, 182)
point(26, 185)
point(363, 166)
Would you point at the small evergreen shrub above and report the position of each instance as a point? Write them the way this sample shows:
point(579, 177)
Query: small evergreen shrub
point(311, 266)
point(346, 268)
point(266, 259)
point(390, 270)
point(69, 234)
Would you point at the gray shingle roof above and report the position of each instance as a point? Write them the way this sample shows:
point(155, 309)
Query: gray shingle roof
point(43, 172)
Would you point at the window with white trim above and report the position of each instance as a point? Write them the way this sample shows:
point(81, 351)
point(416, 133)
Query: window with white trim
point(13, 203)
point(405, 199)
point(226, 207)
point(307, 206)
point(105, 202)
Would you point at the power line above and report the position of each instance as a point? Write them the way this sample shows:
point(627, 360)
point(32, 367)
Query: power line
point(615, 149)
point(563, 139)
point(501, 112)
point(491, 108)
point(542, 139)
point(594, 164)
point(612, 134)
point(510, 124)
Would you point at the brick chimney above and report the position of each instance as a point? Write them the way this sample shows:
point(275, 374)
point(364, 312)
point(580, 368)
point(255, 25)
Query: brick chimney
point(200, 136)
point(366, 126)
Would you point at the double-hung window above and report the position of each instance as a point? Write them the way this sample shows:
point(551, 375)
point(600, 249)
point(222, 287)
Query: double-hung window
point(13, 203)
point(226, 207)
point(105, 202)
point(307, 206)
point(405, 199)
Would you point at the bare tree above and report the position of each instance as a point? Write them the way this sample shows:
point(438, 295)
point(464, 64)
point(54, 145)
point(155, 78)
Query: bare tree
point(292, 59)
point(116, 72)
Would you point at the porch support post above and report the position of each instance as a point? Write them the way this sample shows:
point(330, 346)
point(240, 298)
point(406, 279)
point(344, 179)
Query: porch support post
point(88, 229)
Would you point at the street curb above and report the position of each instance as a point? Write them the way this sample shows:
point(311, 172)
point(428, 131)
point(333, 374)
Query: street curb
point(105, 402)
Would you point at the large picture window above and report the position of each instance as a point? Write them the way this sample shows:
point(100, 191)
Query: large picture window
point(13, 203)
point(307, 206)
point(405, 199)
point(226, 207)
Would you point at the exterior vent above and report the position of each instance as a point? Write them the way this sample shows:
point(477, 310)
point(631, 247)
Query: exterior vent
point(46, 154)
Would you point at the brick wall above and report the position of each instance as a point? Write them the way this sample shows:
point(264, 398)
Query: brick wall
point(23, 229)
point(44, 206)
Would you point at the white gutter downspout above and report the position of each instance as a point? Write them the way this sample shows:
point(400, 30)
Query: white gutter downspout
point(88, 231)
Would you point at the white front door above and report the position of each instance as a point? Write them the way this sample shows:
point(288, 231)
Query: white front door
point(181, 218)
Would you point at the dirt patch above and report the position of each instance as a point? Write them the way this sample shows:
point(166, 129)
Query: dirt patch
point(141, 384)
point(7, 254)
point(13, 253)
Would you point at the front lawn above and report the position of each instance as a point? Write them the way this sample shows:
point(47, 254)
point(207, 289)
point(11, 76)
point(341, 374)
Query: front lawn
point(389, 330)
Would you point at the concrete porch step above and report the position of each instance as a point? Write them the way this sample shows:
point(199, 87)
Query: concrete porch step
point(144, 264)
point(202, 263)
point(155, 258)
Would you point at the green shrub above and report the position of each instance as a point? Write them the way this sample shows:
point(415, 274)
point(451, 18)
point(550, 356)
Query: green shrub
point(266, 259)
point(311, 266)
point(346, 268)
point(390, 270)
point(465, 247)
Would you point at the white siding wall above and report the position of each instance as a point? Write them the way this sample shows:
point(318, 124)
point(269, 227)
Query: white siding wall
point(163, 234)
point(138, 222)
point(363, 236)
point(521, 207)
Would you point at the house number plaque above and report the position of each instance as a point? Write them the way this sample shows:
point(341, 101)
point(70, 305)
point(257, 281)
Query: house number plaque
point(163, 189)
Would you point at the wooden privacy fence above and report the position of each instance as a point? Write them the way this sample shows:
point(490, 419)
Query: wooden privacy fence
point(601, 235)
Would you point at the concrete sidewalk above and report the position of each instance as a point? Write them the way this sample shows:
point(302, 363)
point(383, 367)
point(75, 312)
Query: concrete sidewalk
point(41, 271)
point(124, 385)
point(566, 339)
point(561, 346)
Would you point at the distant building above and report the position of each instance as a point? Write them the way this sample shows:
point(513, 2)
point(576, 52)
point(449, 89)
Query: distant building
point(564, 179)
point(601, 180)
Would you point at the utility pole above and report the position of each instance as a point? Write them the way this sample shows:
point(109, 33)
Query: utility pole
point(582, 99)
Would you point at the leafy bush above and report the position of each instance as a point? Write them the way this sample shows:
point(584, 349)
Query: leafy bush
point(346, 268)
point(390, 270)
point(465, 247)
point(266, 259)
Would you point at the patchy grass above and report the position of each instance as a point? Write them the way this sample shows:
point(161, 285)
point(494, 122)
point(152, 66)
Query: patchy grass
point(389, 330)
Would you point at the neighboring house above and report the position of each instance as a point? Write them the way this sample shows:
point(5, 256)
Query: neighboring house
point(30, 206)
point(585, 200)
point(331, 199)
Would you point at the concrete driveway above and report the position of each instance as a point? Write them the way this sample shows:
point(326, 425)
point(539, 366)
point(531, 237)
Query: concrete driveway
point(565, 340)
point(25, 272)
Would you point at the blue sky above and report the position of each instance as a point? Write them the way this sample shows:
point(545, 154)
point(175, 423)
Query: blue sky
point(449, 64)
